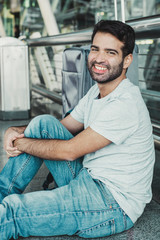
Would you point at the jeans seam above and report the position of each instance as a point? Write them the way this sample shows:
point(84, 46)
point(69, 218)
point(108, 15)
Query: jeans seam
point(99, 225)
point(49, 136)
point(20, 171)
point(64, 213)
point(103, 190)
point(70, 168)
point(124, 220)
point(46, 132)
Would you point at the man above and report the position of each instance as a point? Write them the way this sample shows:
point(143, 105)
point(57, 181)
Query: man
point(105, 183)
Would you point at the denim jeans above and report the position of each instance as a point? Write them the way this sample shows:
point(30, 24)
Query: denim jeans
point(79, 205)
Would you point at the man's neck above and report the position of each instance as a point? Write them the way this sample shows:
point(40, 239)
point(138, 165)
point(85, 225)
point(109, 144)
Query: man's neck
point(107, 88)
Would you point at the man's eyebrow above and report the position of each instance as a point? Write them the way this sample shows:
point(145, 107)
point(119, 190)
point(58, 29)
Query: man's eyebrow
point(106, 49)
point(94, 46)
point(110, 49)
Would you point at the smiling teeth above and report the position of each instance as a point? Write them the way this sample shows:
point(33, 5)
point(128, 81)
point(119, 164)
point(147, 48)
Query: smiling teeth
point(100, 68)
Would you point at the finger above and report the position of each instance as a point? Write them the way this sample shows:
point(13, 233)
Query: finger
point(11, 149)
point(9, 154)
point(21, 135)
point(13, 154)
point(8, 145)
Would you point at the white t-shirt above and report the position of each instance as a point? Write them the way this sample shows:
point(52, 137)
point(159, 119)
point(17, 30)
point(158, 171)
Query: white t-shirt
point(125, 165)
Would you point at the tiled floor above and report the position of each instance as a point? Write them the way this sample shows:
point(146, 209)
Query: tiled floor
point(146, 228)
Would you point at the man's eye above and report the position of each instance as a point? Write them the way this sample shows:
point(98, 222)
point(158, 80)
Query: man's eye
point(94, 49)
point(111, 52)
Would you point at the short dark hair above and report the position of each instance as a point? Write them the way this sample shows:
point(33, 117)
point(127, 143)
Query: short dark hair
point(120, 30)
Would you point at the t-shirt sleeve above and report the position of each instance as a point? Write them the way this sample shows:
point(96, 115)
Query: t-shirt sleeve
point(116, 121)
point(78, 111)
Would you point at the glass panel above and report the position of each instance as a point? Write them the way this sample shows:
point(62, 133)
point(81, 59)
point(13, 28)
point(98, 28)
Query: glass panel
point(45, 72)
point(7, 18)
point(70, 15)
point(141, 8)
point(22, 18)
point(149, 75)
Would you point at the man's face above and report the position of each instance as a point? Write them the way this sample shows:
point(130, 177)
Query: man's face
point(105, 61)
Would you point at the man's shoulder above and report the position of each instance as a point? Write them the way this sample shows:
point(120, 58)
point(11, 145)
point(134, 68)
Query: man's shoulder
point(127, 92)
point(93, 91)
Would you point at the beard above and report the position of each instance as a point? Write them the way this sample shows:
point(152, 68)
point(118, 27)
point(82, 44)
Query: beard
point(112, 74)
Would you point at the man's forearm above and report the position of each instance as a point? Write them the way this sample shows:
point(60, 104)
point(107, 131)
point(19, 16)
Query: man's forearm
point(50, 149)
point(87, 141)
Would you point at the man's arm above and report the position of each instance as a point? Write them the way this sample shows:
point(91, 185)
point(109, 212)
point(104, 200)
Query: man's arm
point(13, 133)
point(72, 125)
point(85, 142)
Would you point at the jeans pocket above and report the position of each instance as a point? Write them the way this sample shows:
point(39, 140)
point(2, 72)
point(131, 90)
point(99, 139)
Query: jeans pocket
point(103, 229)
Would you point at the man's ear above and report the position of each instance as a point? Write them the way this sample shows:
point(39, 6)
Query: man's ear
point(127, 61)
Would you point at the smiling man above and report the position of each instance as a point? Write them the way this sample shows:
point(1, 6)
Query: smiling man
point(101, 155)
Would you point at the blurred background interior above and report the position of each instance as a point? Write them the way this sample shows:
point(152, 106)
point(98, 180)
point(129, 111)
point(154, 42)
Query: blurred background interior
point(33, 35)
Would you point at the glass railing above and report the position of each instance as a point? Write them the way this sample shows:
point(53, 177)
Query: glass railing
point(141, 8)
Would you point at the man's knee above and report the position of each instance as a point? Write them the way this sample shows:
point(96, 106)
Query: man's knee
point(38, 123)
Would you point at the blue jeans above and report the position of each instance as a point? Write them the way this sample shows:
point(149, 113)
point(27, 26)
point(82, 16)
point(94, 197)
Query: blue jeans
point(79, 205)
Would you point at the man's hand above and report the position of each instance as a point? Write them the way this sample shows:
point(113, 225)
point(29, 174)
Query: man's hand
point(10, 136)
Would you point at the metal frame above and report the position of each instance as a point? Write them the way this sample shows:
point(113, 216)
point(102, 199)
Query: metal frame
point(144, 28)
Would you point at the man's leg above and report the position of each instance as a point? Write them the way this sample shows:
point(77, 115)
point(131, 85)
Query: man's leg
point(48, 127)
point(20, 170)
point(83, 207)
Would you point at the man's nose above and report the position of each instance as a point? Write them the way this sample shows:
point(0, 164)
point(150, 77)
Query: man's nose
point(101, 56)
